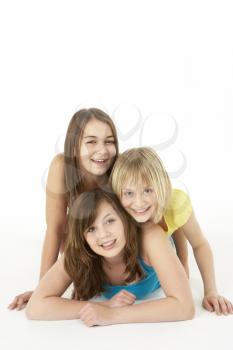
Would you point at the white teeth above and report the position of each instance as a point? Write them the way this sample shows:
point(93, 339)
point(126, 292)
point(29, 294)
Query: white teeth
point(141, 211)
point(99, 160)
point(108, 244)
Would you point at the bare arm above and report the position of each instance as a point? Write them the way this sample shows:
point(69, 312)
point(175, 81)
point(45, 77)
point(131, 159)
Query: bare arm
point(47, 303)
point(181, 245)
point(178, 304)
point(56, 209)
point(212, 301)
point(202, 252)
point(56, 213)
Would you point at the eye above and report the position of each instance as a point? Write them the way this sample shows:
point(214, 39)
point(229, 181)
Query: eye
point(91, 229)
point(92, 142)
point(128, 193)
point(111, 142)
point(110, 221)
point(148, 190)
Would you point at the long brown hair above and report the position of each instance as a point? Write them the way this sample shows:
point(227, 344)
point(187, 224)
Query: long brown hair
point(83, 265)
point(74, 178)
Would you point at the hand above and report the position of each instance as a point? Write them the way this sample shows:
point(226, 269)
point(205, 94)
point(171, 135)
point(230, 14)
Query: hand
point(94, 314)
point(20, 301)
point(214, 302)
point(122, 298)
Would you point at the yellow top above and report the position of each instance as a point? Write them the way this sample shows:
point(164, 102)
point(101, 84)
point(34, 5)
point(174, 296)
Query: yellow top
point(178, 211)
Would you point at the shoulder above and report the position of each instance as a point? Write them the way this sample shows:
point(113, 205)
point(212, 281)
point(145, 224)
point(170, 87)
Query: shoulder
point(179, 209)
point(155, 243)
point(152, 234)
point(58, 161)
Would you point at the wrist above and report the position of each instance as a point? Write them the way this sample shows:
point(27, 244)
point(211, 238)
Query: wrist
point(210, 291)
point(106, 303)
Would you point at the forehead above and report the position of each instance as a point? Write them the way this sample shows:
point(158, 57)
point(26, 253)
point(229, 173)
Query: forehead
point(97, 128)
point(104, 209)
point(136, 185)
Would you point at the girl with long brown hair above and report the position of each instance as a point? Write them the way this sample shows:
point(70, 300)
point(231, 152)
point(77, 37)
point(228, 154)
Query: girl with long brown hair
point(91, 147)
point(103, 254)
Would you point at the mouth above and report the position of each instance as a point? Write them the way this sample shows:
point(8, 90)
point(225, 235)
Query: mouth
point(99, 161)
point(108, 245)
point(140, 211)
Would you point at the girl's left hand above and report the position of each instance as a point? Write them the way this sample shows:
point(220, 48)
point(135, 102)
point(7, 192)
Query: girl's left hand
point(214, 302)
point(94, 314)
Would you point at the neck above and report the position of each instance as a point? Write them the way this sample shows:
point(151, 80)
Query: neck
point(93, 181)
point(114, 261)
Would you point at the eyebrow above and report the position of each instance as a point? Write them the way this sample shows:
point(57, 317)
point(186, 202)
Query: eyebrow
point(108, 215)
point(110, 136)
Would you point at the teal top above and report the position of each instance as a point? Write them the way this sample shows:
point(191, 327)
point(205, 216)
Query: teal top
point(140, 289)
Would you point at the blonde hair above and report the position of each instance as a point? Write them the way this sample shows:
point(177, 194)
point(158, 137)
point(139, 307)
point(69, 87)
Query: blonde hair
point(143, 166)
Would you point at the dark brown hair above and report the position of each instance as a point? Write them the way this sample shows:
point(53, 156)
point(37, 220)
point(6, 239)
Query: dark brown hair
point(74, 177)
point(82, 264)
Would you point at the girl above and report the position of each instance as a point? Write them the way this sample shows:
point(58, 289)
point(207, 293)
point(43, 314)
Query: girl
point(90, 150)
point(143, 187)
point(101, 255)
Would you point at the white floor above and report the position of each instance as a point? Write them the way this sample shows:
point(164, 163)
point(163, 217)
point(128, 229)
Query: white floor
point(19, 271)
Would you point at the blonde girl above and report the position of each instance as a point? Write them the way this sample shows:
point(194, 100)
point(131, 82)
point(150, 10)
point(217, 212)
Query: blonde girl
point(144, 189)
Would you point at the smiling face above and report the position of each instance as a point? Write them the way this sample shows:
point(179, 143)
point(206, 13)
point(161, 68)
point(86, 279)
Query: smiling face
point(139, 201)
point(97, 148)
point(106, 236)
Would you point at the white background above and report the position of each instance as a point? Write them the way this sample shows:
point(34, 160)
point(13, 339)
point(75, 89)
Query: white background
point(166, 65)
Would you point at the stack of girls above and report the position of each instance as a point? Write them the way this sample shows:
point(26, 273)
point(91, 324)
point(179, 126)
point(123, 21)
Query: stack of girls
point(112, 217)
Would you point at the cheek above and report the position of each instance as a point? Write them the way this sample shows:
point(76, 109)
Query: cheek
point(154, 201)
point(112, 150)
point(90, 241)
point(85, 151)
point(124, 202)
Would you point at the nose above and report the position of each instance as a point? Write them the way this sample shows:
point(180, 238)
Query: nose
point(138, 201)
point(103, 233)
point(101, 148)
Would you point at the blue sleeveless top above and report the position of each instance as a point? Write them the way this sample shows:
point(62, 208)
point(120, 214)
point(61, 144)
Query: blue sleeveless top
point(140, 289)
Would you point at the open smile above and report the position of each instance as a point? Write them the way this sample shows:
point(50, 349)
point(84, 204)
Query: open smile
point(109, 244)
point(99, 161)
point(140, 211)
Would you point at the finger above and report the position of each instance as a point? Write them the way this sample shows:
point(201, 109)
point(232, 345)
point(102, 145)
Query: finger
point(207, 305)
point(20, 304)
point(89, 322)
point(14, 303)
point(229, 306)
point(125, 292)
point(216, 306)
point(84, 308)
point(88, 319)
point(85, 312)
point(223, 306)
point(127, 300)
point(129, 296)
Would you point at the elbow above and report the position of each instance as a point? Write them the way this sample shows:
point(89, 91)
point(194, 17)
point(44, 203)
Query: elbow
point(29, 313)
point(190, 313)
point(188, 310)
point(32, 310)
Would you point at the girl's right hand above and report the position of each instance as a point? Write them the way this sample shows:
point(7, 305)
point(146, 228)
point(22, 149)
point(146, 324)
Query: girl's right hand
point(20, 301)
point(122, 298)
